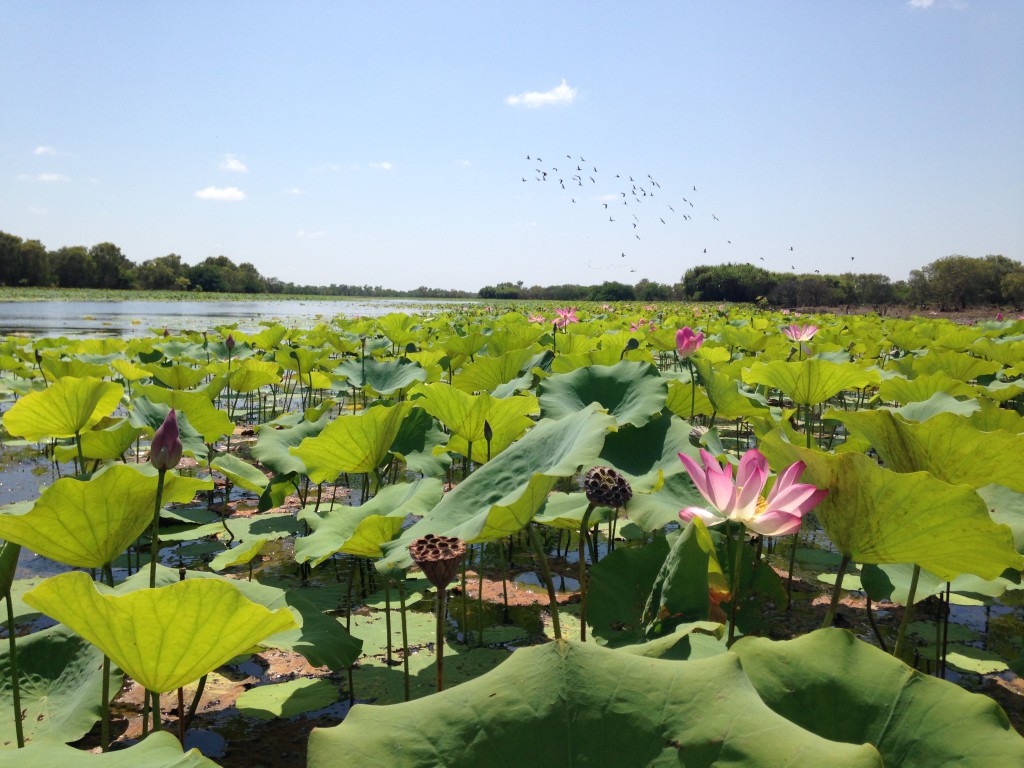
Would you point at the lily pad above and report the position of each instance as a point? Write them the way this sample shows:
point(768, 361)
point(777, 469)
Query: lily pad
point(65, 408)
point(634, 393)
point(158, 750)
point(287, 699)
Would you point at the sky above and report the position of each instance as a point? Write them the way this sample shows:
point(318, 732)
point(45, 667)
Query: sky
point(436, 144)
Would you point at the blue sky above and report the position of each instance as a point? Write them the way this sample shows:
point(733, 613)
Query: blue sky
point(386, 143)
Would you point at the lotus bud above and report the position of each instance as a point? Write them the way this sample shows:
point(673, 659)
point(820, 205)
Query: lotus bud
point(696, 434)
point(165, 450)
point(166, 333)
point(606, 488)
point(438, 556)
point(688, 342)
point(229, 342)
point(39, 356)
point(488, 432)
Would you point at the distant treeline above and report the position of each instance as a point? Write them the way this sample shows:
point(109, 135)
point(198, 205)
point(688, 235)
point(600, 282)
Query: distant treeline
point(949, 283)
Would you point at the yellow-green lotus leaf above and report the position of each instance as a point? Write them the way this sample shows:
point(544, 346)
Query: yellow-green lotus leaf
point(243, 554)
point(250, 375)
point(128, 370)
point(957, 365)
point(810, 381)
point(176, 376)
point(105, 441)
point(166, 637)
point(487, 373)
point(465, 415)
point(352, 443)
point(68, 406)
point(57, 368)
point(87, 523)
point(902, 390)
point(208, 420)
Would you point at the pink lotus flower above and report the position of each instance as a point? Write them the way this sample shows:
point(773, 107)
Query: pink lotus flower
point(999, 317)
point(740, 500)
point(537, 319)
point(800, 333)
point(688, 342)
point(165, 450)
point(566, 316)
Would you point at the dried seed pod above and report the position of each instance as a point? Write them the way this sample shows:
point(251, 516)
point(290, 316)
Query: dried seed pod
point(606, 488)
point(438, 556)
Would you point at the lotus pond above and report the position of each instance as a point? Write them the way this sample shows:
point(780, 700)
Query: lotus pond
point(668, 534)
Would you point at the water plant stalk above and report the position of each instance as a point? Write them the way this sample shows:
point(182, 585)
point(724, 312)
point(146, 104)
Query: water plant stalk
point(405, 639)
point(834, 604)
point(12, 645)
point(480, 599)
point(387, 618)
point(537, 544)
point(907, 610)
point(442, 610)
point(581, 552)
point(734, 600)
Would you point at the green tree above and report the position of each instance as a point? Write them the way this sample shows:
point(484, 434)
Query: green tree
point(110, 268)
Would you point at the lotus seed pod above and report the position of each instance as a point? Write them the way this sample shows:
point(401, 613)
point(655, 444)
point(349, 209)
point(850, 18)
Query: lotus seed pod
point(606, 488)
point(438, 556)
point(696, 433)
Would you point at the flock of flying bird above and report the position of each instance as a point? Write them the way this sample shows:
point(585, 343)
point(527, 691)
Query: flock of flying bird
point(631, 202)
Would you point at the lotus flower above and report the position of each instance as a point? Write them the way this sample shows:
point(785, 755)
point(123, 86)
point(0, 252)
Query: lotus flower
point(688, 342)
point(229, 342)
point(165, 450)
point(566, 316)
point(800, 333)
point(537, 319)
point(740, 500)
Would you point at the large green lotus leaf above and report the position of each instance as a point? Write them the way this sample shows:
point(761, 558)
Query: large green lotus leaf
point(465, 415)
point(485, 374)
point(646, 455)
point(957, 365)
point(810, 381)
point(634, 393)
point(892, 582)
point(832, 684)
point(241, 473)
point(274, 444)
point(724, 393)
point(288, 699)
point(166, 637)
point(109, 441)
point(512, 338)
point(250, 375)
point(744, 337)
point(65, 408)
point(875, 515)
point(321, 639)
point(938, 403)
point(158, 750)
point(694, 640)
point(683, 401)
point(902, 390)
point(1001, 391)
point(400, 328)
point(55, 368)
point(87, 523)
point(565, 511)
point(243, 554)
point(1006, 507)
point(464, 346)
point(416, 442)
point(383, 377)
point(688, 577)
point(61, 684)
point(128, 370)
point(352, 443)
point(553, 704)
point(947, 445)
point(503, 495)
point(1004, 351)
point(209, 421)
point(620, 590)
point(176, 376)
point(364, 529)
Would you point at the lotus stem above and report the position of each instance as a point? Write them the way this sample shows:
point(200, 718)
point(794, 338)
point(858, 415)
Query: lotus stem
point(907, 610)
point(195, 702)
point(480, 598)
point(181, 716)
point(387, 618)
point(537, 545)
point(108, 574)
point(874, 626)
point(154, 536)
point(442, 609)
point(792, 567)
point(465, 624)
point(15, 681)
point(405, 638)
point(583, 572)
point(737, 569)
point(945, 631)
point(831, 613)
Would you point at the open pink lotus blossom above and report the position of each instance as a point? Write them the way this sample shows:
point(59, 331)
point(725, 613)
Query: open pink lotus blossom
point(566, 316)
point(800, 333)
point(688, 342)
point(740, 499)
point(537, 319)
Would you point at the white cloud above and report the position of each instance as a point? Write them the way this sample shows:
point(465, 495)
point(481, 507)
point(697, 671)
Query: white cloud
point(294, 191)
point(228, 194)
point(463, 163)
point(560, 94)
point(304, 235)
point(44, 177)
point(44, 150)
point(38, 211)
point(231, 163)
point(385, 166)
point(921, 3)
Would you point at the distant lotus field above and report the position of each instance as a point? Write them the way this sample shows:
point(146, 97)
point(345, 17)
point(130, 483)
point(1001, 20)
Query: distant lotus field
point(621, 535)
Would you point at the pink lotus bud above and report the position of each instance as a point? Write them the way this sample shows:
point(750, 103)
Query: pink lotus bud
point(229, 342)
point(688, 342)
point(165, 450)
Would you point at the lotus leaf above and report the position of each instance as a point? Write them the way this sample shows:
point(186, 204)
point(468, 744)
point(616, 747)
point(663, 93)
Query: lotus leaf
point(383, 377)
point(727, 398)
point(202, 415)
point(243, 554)
point(417, 442)
point(240, 472)
point(250, 375)
point(87, 523)
point(634, 393)
point(552, 705)
point(166, 637)
point(158, 750)
point(273, 445)
point(352, 443)
point(65, 408)
point(176, 376)
point(104, 441)
point(287, 699)
point(957, 365)
point(488, 373)
point(810, 381)
point(910, 718)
